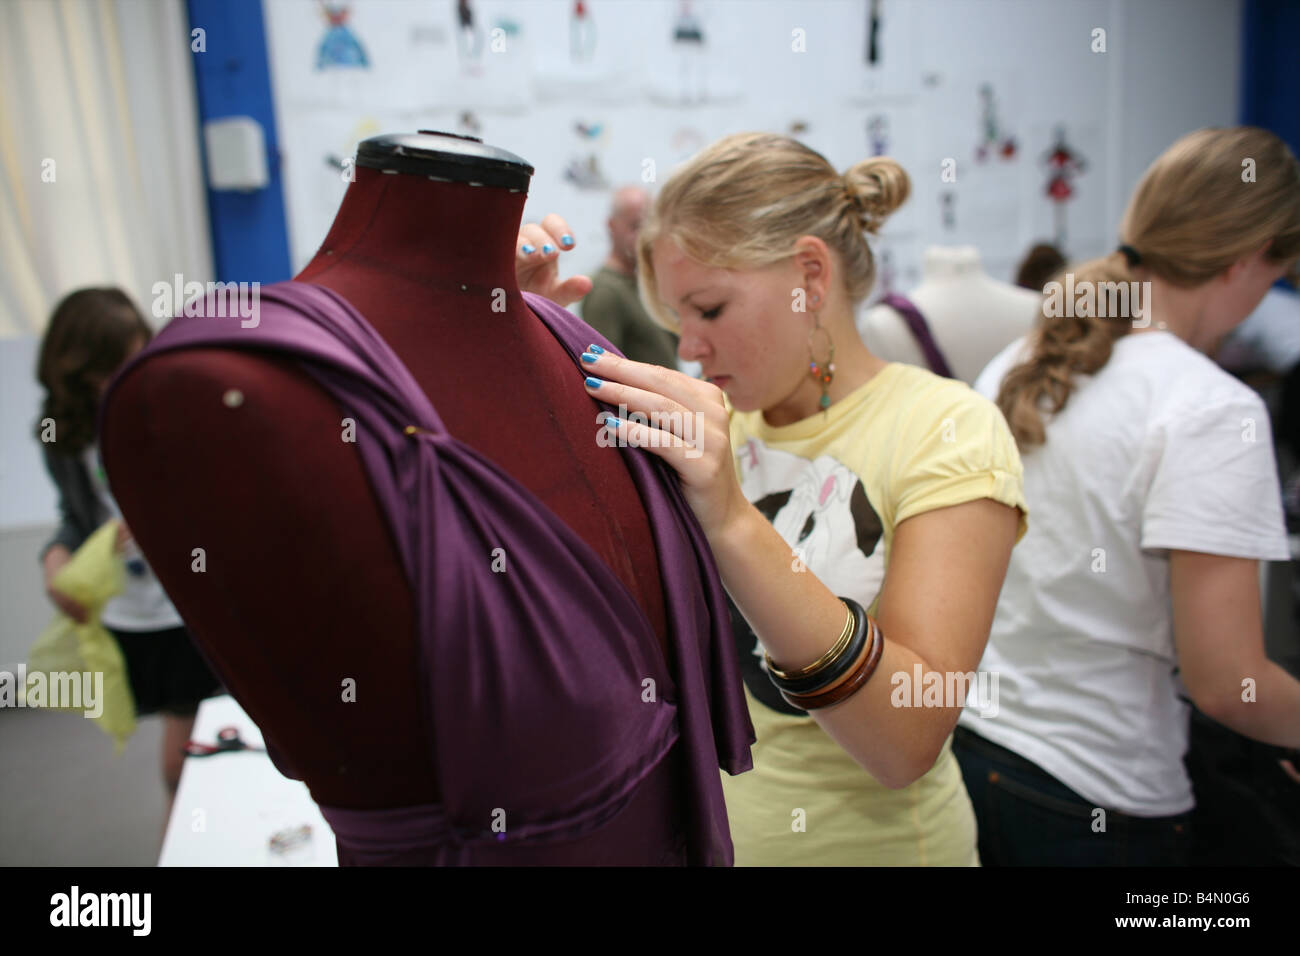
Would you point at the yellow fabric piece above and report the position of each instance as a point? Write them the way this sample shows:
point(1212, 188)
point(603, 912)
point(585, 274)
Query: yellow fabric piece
point(914, 442)
point(94, 575)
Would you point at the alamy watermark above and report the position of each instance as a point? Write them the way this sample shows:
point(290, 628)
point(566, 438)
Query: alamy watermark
point(128, 910)
point(1130, 301)
point(61, 690)
point(976, 690)
point(667, 429)
point(191, 299)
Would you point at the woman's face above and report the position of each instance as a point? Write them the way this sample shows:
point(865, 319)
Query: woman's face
point(1233, 300)
point(739, 325)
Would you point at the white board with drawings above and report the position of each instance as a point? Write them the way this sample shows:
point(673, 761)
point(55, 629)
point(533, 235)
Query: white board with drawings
point(395, 55)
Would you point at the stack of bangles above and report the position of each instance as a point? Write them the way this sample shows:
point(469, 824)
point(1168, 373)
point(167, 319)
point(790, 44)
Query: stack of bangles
point(841, 671)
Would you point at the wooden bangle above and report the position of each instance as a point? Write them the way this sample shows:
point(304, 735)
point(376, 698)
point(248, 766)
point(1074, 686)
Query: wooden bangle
point(851, 685)
point(848, 667)
point(841, 665)
point(850, 670)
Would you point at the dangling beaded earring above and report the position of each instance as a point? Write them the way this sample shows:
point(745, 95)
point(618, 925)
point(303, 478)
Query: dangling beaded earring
point(821, 371)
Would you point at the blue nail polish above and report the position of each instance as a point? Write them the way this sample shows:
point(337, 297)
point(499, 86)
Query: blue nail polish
point(594, 382)
point(589, 358)
point(547, 249)
point(566, 239)
point(596, 348)
point(612, 422)
point(527, 249)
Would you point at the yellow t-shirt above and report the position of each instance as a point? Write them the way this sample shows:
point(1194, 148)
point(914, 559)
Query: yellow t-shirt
point(835, 486)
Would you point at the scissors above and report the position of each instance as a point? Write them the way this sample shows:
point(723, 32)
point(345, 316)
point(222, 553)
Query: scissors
point(228, 740)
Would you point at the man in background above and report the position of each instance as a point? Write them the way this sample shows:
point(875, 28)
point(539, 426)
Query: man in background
point(613, 306)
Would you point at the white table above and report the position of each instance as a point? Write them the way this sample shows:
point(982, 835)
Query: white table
point(228, 805)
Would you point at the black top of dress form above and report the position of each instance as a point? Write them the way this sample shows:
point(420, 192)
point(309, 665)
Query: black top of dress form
point(449, 157)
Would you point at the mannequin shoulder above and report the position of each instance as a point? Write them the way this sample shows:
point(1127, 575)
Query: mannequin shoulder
point(886, 335)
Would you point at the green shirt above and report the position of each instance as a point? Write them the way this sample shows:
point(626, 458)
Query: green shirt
point(613, 308)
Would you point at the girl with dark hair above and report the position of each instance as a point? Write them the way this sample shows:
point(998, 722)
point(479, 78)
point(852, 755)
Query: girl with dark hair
point(90, 335)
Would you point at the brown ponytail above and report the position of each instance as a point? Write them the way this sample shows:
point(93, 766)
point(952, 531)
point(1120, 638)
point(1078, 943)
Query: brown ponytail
point(1063, 346)
point(1195, 212)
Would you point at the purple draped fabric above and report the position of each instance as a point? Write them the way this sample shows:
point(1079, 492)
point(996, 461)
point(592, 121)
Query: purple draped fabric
point(920, 330)
point(532, 676)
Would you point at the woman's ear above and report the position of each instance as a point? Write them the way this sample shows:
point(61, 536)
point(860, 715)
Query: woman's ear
point(813, 263)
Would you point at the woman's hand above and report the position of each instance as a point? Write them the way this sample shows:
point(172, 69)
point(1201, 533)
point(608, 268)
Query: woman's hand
point(537, 253)
point(56, 558)
point(682, 420)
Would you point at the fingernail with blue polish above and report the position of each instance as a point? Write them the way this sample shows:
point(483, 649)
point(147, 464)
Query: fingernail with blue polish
point(548, 249)
point(596, 348)
point(594, 382)
point(612, 422)
point(589, 358)
point(527, 249)
point(566, 239)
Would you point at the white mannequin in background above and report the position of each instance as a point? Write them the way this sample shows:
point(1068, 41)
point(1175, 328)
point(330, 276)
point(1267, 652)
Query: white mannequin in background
point(971, 316)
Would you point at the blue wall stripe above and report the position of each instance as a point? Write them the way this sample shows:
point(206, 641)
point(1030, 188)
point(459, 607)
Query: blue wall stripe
point(250, 241)
point(1270, 83)
point(1270, 68)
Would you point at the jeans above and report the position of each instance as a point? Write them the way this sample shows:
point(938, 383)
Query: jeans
point(1027, 817)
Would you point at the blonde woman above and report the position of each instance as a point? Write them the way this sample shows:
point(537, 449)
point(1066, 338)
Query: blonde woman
point(818, 472)
point(1155, 494)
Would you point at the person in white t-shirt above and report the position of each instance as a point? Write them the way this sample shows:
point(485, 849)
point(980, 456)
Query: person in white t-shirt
point(1151, 474)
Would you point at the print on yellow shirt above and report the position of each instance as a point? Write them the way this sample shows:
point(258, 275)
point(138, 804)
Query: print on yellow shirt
point(835, 486)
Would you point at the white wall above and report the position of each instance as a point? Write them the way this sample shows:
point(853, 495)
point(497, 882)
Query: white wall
point(105, 90)
point(27, 496)
point(1180, 71)
point(27, 503)
point(1171, 66)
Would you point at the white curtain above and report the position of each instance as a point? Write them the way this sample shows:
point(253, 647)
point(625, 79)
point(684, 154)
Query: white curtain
point(101, 180)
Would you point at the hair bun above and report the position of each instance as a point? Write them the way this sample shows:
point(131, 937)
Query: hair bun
point(877, 187)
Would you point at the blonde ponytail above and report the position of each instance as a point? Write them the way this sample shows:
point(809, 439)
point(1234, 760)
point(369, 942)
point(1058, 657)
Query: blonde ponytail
point(742, 202)
point(877, 187)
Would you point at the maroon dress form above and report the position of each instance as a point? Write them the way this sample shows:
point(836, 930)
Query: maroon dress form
point(303, 587)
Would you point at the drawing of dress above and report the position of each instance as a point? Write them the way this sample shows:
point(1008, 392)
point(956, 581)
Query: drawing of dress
point(687, 28)
point(688, 45)
point(586, 174)
point(1063, 165)
point(873, 33)
point(339, 47)
point(469, 41)
point(878, 133)
point(993, 139)
point(948, 206)
point(582, 33)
